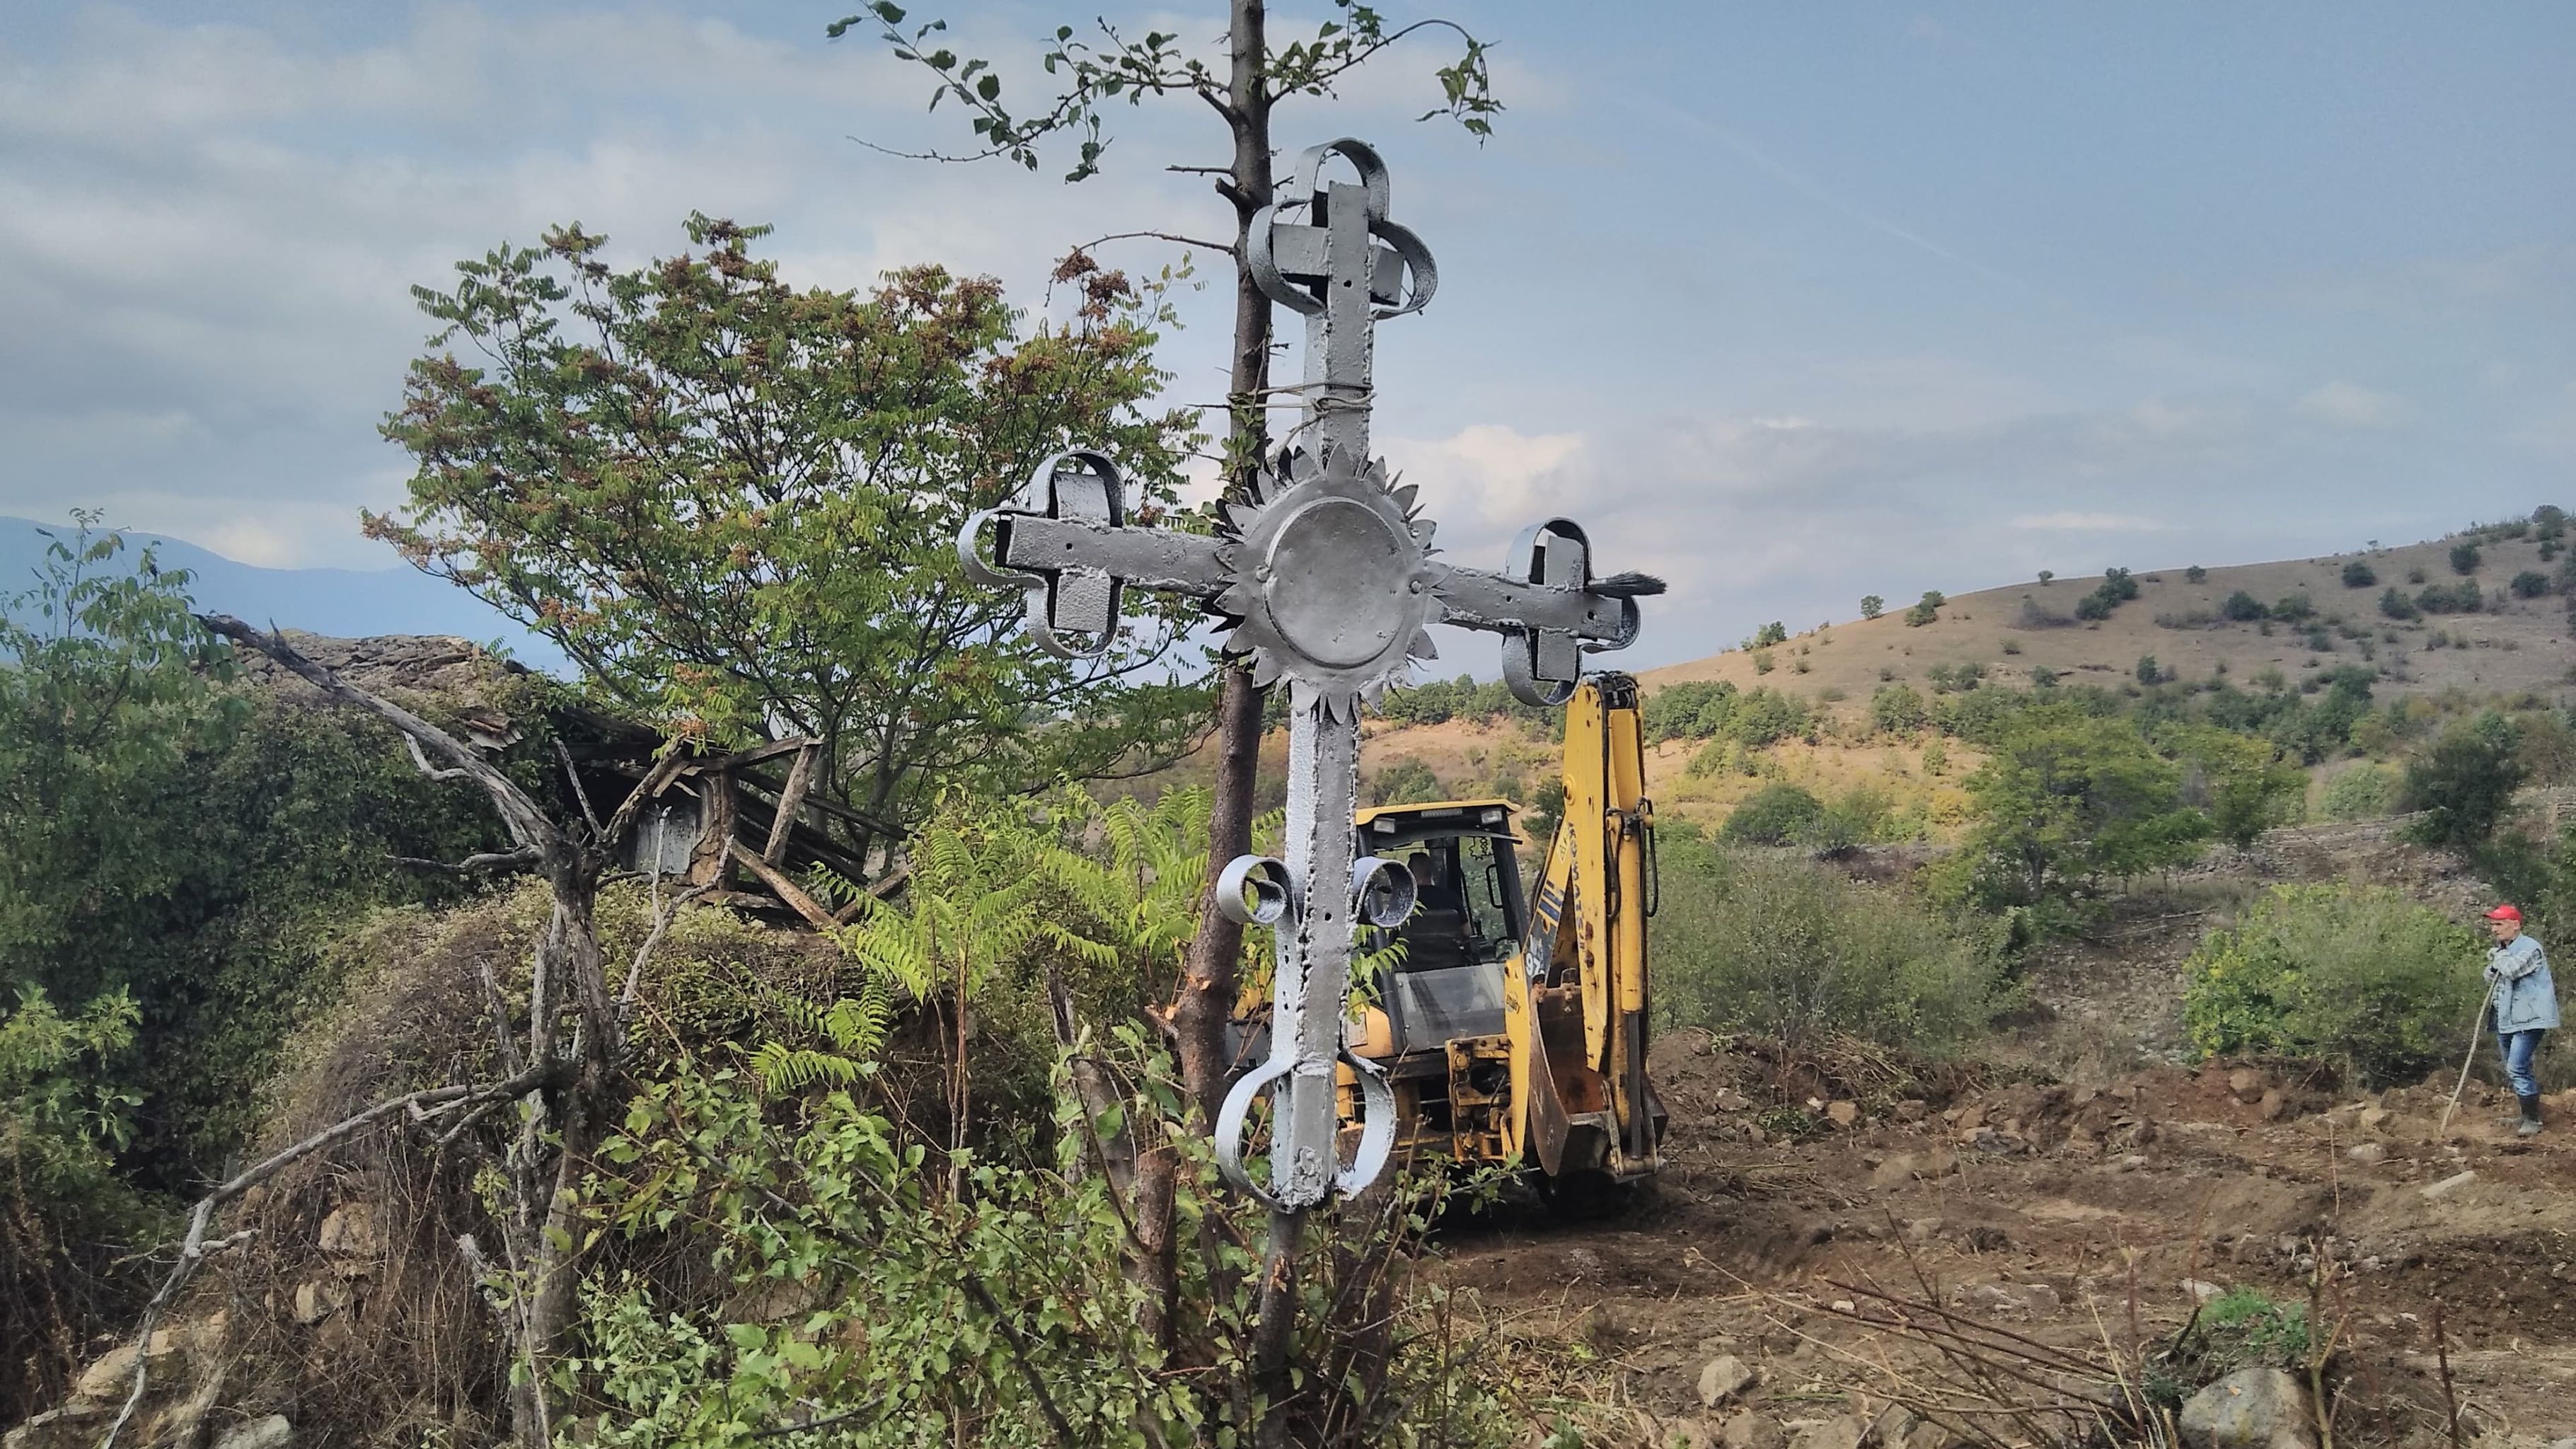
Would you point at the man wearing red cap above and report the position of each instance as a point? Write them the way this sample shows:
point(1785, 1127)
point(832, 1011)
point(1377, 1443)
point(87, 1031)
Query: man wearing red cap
point(2525, 1003)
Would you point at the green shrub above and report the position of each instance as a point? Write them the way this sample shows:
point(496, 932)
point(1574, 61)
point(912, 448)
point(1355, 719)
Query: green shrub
point(2466, 598)
point(1769, 634)
point(1871, 606)
point(2362, 976)
point(2530, 584)
point(2464, 782)
point(1779, 947)
point(1925, 610)
point(2242, 608)
point(1772, 815)
point(2148, 671)
point(2195, 575)
point(2359, 575)
point(1898, 709)
point(2363, 792)
point(1405, 782)
point(2397, 606)
point(2464, 558)
point(2294, 608)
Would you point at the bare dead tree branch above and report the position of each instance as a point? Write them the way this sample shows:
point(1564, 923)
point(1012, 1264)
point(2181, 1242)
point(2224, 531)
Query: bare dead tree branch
point(194, 1249)
point(472, 864)
point(1188, 241)
point(579, 794)
point(528, 826)
point(426, 768)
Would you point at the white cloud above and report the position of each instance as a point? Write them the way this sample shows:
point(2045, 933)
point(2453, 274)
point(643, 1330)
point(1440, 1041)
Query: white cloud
point(2350, 405)
point(2089, 523)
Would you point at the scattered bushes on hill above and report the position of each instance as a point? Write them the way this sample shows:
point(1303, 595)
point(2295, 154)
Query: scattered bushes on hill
point(2117, 588)
point(1778, 947)
point(2359, 975)
point(1717, 710)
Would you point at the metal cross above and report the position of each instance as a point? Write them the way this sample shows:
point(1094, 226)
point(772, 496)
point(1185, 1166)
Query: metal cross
point(1327, 579)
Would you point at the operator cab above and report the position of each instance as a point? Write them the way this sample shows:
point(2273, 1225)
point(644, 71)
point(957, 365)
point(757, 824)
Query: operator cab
point(1465, 926)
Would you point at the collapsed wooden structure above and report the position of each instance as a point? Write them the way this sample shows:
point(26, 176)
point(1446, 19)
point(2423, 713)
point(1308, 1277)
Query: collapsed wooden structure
point(747, 828)
point(744, 825)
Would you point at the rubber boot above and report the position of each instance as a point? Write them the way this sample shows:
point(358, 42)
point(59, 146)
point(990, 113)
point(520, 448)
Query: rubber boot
point(2530, 1117)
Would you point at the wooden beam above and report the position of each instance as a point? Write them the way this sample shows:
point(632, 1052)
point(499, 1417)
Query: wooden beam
point(758, 753)
point(788, 891)
point(791, 798)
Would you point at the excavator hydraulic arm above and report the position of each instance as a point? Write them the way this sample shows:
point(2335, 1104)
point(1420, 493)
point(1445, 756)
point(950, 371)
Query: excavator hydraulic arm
point(1575, 1010)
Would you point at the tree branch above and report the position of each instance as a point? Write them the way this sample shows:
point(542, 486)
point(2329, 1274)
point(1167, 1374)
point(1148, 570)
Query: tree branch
point(527, 824)
point(1187, 241)
point(194, 1248)
point(488, 860)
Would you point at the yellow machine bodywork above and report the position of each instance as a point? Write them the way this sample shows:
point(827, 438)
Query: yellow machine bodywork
point(1515, 1030)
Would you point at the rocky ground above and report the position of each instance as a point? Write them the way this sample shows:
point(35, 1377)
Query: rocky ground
point(2079, 1215)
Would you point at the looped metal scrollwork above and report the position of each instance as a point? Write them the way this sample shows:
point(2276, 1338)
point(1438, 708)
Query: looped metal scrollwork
point(1075, 596)
point(1286, 257)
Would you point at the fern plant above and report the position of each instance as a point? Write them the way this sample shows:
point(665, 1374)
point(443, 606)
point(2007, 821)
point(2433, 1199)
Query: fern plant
point(845, 1038)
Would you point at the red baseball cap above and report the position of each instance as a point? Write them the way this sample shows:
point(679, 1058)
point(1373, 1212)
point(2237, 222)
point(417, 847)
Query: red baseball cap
point(2504, 913)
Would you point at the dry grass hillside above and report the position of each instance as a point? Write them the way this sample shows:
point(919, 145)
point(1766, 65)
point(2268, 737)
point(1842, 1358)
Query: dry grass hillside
point(2511, 647)
point(2514, 646)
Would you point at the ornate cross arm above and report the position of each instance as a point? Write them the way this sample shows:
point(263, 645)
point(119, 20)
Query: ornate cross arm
point(1548, 607)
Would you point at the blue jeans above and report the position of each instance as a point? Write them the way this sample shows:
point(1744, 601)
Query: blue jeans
point(2517, 1047)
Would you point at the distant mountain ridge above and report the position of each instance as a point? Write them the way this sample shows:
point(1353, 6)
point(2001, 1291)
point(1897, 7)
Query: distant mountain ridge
point(345, 603)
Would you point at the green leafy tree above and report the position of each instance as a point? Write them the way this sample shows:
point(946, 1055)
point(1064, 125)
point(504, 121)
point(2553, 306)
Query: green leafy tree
point(2066, 801)
point(2464, 558)
point(1925, 610)
point(735, 503)
point(1871, 606)
point(1769, 634)
point(2245, 785)
point(2464, 782)
point(2148, 671)
point(107, 686)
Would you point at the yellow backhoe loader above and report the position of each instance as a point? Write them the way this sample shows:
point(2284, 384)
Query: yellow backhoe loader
point(1513, 1029)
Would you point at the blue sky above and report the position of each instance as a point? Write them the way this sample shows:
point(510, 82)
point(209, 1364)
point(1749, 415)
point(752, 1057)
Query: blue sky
point(1788, 303)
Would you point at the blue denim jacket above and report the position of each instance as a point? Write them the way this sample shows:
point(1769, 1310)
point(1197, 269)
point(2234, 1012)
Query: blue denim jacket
point(2518, 984)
